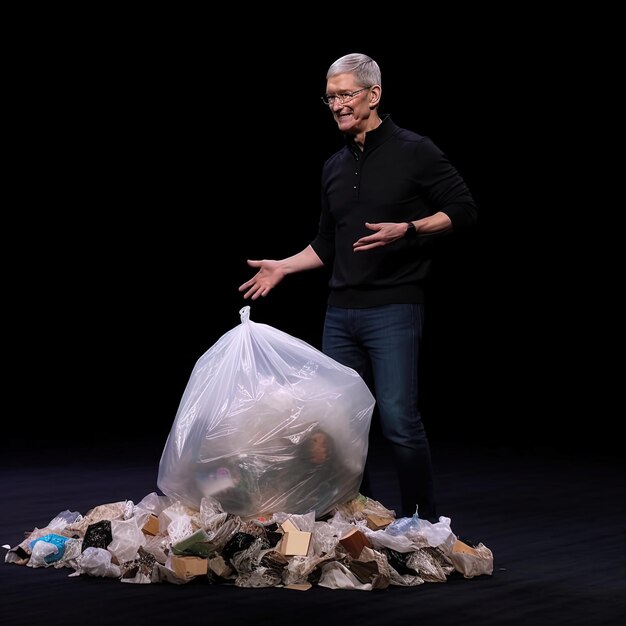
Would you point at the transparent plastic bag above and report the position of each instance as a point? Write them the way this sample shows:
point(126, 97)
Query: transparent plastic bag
point(267, 423)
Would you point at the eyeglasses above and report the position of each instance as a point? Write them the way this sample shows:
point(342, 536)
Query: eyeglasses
point(342, 98)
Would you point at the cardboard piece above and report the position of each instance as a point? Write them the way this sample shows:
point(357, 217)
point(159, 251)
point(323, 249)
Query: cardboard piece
point(354, 541)
point(294, 543)
point(376, 522)
point(188, 566)
point(289, 526)
point(151, 527)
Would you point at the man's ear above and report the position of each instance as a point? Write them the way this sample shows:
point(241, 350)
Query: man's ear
point(375, 94)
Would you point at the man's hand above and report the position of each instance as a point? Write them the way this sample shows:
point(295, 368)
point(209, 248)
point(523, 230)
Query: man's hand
point(269, 275)
point(384, 233)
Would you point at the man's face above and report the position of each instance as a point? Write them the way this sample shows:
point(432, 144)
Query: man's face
point(352, 115)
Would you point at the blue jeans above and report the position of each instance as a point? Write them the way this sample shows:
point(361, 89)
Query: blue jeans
point(382, 344)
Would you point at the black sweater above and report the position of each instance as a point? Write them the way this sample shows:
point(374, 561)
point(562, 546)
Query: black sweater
point(400, 176)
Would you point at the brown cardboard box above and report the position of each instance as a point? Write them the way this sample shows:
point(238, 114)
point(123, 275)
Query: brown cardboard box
point(151, 527)
point(294, 543)
point(289, 526)
point(354, 541)
point(188, 566)
point(376, 522)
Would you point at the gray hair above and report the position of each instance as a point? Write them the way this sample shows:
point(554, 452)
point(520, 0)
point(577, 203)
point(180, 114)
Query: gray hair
point(365, 69)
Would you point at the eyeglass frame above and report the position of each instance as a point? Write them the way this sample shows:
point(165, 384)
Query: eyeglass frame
point(342, 97)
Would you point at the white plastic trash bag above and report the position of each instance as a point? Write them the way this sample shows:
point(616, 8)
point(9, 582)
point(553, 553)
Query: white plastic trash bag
point(266, 424)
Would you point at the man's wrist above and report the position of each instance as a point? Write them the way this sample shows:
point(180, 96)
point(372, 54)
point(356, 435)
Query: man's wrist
point(411, 231)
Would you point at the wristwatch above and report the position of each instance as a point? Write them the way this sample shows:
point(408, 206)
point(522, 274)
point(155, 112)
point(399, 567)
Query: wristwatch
point(410, 231)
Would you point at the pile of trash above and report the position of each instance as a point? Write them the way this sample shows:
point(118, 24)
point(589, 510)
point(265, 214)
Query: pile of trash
point(359, 545)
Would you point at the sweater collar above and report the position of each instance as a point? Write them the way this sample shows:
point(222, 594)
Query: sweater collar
point(375, 137)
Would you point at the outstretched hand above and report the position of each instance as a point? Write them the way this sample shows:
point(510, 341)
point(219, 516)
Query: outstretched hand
point(384, 233)
point(268, 276)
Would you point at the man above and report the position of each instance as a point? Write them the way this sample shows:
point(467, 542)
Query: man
point(387, 196)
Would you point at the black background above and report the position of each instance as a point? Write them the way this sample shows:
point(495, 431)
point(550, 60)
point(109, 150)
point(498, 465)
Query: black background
point(152, 163)
point(150, 151)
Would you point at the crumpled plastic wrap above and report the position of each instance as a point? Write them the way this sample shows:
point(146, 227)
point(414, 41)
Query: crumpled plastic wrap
point(472, 561)
point(96, 562)
point(268, 423)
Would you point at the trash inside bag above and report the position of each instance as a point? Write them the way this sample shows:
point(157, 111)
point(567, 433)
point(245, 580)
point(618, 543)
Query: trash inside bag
point(267, 423)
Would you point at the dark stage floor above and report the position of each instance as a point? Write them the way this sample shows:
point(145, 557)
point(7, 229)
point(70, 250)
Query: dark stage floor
point(555, 523)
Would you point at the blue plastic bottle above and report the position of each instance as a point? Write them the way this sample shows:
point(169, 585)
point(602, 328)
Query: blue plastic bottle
point(403, 525)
